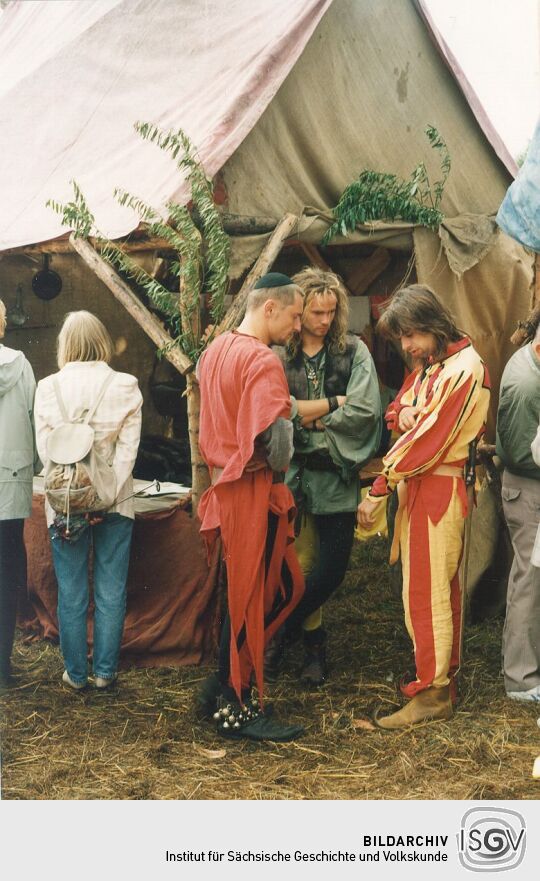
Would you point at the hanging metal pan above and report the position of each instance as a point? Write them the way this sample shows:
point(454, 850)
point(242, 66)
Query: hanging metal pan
point(46, 283)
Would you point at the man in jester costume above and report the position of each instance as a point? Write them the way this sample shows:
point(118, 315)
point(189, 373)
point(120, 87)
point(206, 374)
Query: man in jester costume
point(439, 411)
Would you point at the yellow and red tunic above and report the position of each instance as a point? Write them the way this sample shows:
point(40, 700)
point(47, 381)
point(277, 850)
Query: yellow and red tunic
point(452, 396)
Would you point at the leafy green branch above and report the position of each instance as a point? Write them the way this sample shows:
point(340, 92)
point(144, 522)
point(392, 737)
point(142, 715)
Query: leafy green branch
point(217, 244)
point(203, 255)
point(376, 195)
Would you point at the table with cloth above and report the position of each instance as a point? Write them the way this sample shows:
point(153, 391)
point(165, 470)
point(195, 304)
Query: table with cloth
point(172, 602)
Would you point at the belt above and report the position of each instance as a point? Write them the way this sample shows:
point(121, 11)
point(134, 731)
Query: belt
point(277, 476)
point(401, 489)
point(316, 461)
point(447, 471)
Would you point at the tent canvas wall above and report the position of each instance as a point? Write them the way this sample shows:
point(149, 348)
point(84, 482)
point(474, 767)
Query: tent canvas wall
point(286, 102)
point(369, 81)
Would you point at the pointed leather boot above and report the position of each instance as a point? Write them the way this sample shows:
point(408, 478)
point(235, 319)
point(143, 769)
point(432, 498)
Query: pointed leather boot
point(314, 669)
point(432, 703)
point(409, 678)
point(273, 656)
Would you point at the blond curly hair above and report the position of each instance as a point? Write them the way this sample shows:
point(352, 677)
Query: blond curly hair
point(316, 282)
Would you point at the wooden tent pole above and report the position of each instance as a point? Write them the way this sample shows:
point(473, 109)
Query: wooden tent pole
point(121, 291)
point(200, 476)
point(233, 225)
point(263, 263)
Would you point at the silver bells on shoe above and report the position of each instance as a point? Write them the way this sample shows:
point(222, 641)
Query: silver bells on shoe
point(235, 717)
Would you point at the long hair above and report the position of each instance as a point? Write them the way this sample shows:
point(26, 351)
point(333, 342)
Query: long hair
point(315, 282)
point(83, 337)
point(3, 321)
point(416, 308)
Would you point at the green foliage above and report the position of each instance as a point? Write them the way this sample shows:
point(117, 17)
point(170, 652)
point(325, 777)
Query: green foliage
point(215, 265)
point(203, 255)
point(76, 215)
point(376, 195)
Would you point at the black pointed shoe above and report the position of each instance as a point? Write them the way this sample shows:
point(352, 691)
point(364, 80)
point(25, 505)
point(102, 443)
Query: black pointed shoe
point(248, 722)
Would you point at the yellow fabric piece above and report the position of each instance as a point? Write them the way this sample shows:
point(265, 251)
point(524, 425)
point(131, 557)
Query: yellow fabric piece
point(313, 621)
point(307, 550)
point(380, 527)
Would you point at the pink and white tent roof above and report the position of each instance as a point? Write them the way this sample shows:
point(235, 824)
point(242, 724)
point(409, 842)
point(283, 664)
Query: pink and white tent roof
point(74, 77)
point(291, 97)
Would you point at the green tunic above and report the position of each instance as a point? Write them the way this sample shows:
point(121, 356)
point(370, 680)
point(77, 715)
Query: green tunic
point(351, 436)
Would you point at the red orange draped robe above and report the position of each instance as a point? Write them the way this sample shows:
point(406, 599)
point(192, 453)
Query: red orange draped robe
point(243, 391)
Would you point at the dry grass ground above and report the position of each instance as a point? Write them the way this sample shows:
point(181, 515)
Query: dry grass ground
point(141, 741)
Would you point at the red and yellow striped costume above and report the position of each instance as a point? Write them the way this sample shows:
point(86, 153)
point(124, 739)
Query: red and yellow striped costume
point(452, 395)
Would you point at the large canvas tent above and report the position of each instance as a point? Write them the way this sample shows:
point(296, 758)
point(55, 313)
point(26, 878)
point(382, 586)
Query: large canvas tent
point(287, 102)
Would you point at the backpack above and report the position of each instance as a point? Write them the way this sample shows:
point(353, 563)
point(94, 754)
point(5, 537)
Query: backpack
point(78, 479)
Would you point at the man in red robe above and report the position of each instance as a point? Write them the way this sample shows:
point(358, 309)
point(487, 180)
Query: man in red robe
point(245, 438)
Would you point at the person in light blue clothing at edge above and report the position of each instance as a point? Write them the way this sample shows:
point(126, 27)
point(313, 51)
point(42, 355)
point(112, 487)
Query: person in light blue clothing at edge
point(84, 352)
point(17, 461)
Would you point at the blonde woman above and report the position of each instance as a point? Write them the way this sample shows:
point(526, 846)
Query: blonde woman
point(17, 458)
point(84, 352)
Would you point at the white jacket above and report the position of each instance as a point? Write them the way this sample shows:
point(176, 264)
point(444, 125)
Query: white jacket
point(116, 422)
point(17, 447)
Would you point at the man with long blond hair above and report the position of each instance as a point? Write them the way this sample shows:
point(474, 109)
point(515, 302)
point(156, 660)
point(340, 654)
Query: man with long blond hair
point(336, 412)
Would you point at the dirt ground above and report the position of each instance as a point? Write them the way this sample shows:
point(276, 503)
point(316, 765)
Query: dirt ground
point(142, 741)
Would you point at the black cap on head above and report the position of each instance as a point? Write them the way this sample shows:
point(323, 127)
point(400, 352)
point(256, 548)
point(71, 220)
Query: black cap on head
point(273, 280)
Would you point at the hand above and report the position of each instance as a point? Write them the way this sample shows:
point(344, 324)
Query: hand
point(407, 418)
point(257, 461)
point(341, 399)
point(366, 513)
point(94, 518)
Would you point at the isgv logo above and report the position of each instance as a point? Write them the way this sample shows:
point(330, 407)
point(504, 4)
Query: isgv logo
point(491, 839)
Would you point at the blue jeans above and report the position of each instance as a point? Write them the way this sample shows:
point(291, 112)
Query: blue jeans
point(111, 541)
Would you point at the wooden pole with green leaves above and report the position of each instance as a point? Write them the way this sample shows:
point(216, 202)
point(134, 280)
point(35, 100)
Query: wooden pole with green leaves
point(152, 327)
point(202, 268)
